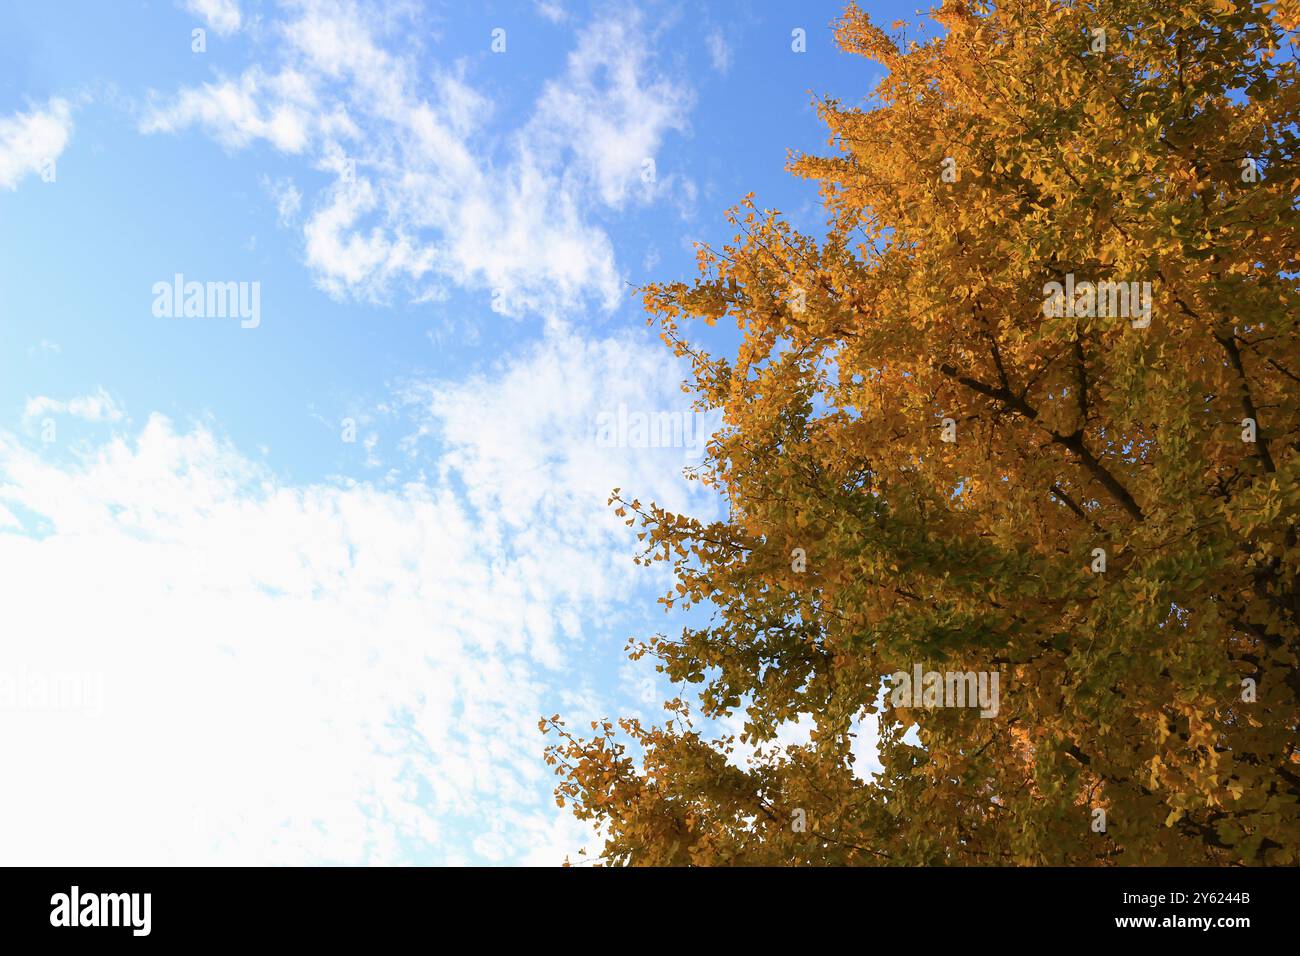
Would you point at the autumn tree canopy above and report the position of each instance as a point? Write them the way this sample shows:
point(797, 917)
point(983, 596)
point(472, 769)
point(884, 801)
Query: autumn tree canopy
point(1031, 406)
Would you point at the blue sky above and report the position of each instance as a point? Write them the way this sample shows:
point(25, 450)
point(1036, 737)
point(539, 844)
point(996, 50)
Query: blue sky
point(235, 634)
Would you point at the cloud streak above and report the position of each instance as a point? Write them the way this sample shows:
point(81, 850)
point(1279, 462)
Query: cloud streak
point(422, 195)
point(99, 407)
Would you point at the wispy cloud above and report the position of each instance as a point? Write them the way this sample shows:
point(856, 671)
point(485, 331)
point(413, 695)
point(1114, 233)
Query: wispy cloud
point(550, 10)
point(99, 407)
point(30, 141)
point(422, 193)
point(221, 15)
point(719, 52)
point(288, 199)
point(611, 110)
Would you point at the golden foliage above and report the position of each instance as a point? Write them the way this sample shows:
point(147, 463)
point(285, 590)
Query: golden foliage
point(1009, 153)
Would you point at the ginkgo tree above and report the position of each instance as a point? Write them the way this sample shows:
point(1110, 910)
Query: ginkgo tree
point(1029, 407)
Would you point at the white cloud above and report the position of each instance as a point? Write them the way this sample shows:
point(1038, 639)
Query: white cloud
point(30, 141)
point(865, 746)
point(550, 10)
point(523, 434)
point(221, 15)
point(719, 52)
point(238, 112)
point(613, 143)
point(99, 407)
point(425, 192)
point(242, 670)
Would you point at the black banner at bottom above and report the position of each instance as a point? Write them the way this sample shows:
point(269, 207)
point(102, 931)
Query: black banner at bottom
point(341, 905)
